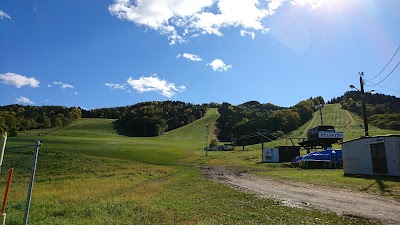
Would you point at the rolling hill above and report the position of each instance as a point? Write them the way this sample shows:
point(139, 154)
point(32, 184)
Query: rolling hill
point(351, 124)
point(89, 174)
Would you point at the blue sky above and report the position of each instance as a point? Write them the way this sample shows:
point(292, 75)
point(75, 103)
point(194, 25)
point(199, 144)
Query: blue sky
point(108, 53)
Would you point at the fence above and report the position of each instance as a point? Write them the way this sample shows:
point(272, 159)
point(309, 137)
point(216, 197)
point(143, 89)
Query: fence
point(23, 161)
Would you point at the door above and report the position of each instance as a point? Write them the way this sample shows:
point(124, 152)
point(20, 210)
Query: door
point(379, 162)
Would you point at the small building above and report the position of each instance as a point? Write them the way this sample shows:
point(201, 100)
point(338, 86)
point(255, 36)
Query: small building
point(376, 155)
point(280, 154)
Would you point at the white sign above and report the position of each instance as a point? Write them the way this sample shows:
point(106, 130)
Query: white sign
point(374, 141)
point(323, 134)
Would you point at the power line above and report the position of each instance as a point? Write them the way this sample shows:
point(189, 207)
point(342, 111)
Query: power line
point(387, 64)
point(386, 76)
point(391, 89)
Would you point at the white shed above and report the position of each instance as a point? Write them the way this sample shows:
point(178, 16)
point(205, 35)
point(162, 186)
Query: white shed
point(376, 155)
point(270, 155)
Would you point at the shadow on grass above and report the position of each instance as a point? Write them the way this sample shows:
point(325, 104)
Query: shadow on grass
point(379, 180)
point(121, 130)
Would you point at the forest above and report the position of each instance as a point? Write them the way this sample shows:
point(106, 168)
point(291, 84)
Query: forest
point(157, 117)
point(16, 117)
point(151, 118)
point(247, 118)
point(383, 111)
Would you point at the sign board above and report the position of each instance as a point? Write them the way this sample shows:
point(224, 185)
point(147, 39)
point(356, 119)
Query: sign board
point(324, 134)
point(375, 141)
point(268, 152)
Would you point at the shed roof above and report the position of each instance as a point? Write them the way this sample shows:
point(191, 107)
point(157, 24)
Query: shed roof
point(377, 136)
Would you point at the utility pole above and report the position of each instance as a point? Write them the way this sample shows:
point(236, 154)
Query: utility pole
point(364, 107)
point(206, 139)
point(262, 143)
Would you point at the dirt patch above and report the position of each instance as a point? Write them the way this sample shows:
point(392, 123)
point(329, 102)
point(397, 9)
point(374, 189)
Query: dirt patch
point(296, 194)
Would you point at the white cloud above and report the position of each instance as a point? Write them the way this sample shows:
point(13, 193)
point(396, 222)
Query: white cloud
point(18, 80)
point(219, 65)
point(273, 5)
point(191, 57)
point(63, 85)
point(312, 3)
point(24, 100)
point(114, 86)
point(244, 33)
point(75, 93)
point(4, 15)
point(153, 83)
point(182, 87)
point(178, 19)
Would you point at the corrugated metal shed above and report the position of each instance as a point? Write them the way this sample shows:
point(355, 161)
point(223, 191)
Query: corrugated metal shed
point(270, 155)
point(280, 154)
point(375, 155)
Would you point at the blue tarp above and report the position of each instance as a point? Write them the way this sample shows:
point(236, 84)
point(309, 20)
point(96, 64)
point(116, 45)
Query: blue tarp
point(331, 155)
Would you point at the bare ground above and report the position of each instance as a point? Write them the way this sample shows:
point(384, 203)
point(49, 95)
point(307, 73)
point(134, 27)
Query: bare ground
point(296, 194)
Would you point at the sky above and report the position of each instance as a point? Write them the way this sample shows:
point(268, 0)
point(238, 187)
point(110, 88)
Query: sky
point(108, 53)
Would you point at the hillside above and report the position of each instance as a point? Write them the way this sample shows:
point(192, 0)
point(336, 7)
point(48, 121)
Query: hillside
point(351, 124)
point(89, 174)
point(97, 137)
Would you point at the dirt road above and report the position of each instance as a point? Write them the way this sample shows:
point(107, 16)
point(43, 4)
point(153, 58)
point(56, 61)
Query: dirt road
point(302, 195)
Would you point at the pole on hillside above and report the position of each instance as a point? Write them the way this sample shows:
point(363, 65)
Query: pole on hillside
point(3, 209)
point(286, 145)
point(2, 147)
point(206, 139)
point(262, 143)
point(364, 107)
point(32, 180)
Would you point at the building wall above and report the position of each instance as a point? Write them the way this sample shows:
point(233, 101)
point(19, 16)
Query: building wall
point(392, 145)
point(357, 157)
point(270, 155)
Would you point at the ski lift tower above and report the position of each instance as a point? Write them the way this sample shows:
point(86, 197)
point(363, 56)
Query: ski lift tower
point(321, 137)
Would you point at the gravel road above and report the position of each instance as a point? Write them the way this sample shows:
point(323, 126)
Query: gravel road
point(296, 194)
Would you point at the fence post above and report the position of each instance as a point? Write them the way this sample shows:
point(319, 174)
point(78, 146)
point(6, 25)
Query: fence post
point(28, 203)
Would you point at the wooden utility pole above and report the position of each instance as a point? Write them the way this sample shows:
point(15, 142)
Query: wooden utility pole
point(262, 143)
point(364, 107)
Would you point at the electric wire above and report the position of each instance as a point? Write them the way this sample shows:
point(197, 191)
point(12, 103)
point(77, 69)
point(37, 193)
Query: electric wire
point(386, 76)
point(388, 81)
point(387, 64)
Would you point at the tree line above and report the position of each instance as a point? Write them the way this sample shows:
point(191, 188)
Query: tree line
point(16, 117)
point(249, 117)
point(155, 118)
point(383, 111)
point(151, 118)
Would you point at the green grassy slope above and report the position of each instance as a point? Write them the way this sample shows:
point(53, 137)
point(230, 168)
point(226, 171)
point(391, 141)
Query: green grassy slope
point(351, 124)
point(88, 174)
point(98, 138)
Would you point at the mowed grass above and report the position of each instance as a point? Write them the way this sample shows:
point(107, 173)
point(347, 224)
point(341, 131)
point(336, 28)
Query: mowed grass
point(98, 138)
point(88, 174)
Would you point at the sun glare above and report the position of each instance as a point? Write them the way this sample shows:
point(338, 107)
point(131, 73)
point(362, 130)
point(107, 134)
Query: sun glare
point(325, 5)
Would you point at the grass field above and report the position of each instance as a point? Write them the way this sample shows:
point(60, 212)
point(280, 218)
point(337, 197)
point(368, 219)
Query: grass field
point(88, 174)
